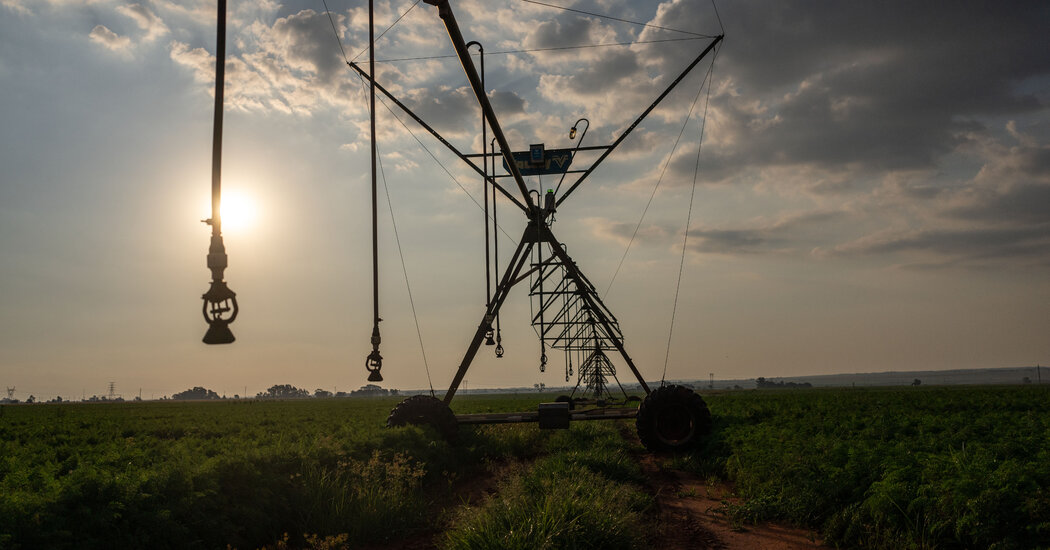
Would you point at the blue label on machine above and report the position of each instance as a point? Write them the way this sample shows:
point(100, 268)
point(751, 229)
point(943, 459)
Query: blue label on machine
point(555, 161)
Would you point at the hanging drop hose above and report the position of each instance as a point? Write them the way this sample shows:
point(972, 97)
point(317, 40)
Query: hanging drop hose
point(219, 300)
point(374, 361)
point(495, 248)
point(489, 340)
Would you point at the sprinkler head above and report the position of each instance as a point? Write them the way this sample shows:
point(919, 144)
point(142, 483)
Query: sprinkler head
point(373, 363)
point(219, 310)
point(218, 333)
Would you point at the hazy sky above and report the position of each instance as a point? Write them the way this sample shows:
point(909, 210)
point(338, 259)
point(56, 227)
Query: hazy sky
point(873, 190)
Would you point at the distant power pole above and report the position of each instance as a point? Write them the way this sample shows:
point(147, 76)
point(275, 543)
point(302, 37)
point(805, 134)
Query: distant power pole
point(10, 393)
point(112, 386)
point(712, 383)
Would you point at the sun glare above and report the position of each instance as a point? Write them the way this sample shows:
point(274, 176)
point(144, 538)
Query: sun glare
point(239, 211)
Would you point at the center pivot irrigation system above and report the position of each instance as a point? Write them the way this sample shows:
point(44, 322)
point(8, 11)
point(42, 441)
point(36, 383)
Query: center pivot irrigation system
point(568, 313)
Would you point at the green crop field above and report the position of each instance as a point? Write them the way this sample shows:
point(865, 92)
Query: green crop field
point(873, 468)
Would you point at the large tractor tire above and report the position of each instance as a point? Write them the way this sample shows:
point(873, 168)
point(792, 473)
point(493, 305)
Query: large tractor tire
point(566, 399)
point(420, 410)
point(672, 418)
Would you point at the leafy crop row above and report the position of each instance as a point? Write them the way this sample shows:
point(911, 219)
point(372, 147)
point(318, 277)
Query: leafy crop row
point(872, 468)
point(890, 468)
point(207, 474)
point(585, 494)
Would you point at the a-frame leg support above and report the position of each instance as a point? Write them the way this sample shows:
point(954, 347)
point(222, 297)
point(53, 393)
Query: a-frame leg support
point(536, 233)
point(510, 277)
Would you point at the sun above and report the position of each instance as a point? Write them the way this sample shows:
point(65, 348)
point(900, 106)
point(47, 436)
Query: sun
point(239, 211)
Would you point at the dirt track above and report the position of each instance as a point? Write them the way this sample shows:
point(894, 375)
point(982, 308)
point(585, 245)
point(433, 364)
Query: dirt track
point(688, 514)
point(690, 517)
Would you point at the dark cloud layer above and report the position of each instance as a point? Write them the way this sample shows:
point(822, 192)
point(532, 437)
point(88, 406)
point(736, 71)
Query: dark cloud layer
point(980, 247)
point(856, 103)
point(890, 85)
point(1019, 205)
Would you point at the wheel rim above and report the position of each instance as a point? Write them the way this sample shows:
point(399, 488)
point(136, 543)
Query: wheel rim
point(674, 424)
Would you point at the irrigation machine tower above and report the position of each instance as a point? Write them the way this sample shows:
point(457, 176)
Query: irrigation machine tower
point(568, 313)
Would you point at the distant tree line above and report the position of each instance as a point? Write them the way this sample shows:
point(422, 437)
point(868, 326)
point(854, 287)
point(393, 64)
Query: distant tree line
point(762, 383)
point(286, 391)
point(372, 389)
point(196, 392)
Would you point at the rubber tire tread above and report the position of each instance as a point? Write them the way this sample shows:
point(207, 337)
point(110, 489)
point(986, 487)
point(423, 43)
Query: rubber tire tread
point(672, 395)
point(422, 410)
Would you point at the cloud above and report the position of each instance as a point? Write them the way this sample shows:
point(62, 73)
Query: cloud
point(507, 104)
point(624, 232)
point(287, 67)
point(1000, 216)
point(791, 234)
point(146, 20)
point(961, 247)
point(111, 40)
point(864, 87)
point(302, 41)
point(198, 59)
point(17, 6)
point(1021, 204)
point(815, 111)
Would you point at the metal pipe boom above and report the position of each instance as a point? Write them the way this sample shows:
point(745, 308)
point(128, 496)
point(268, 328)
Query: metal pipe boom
point(445, 12)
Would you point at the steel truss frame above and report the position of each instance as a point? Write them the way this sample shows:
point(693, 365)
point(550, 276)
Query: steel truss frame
point(537, 232)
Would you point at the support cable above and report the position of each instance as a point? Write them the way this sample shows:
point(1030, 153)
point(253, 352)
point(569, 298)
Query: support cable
point(443, 167)
point(659, 180)
point(398, 119)
point(404, 269)
point(334, 30)
point(601, 16)
point(396, 21)
point(410, 132)
point(688, 219)
point(549, 49)
point(719, 17)
point(397, 238)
